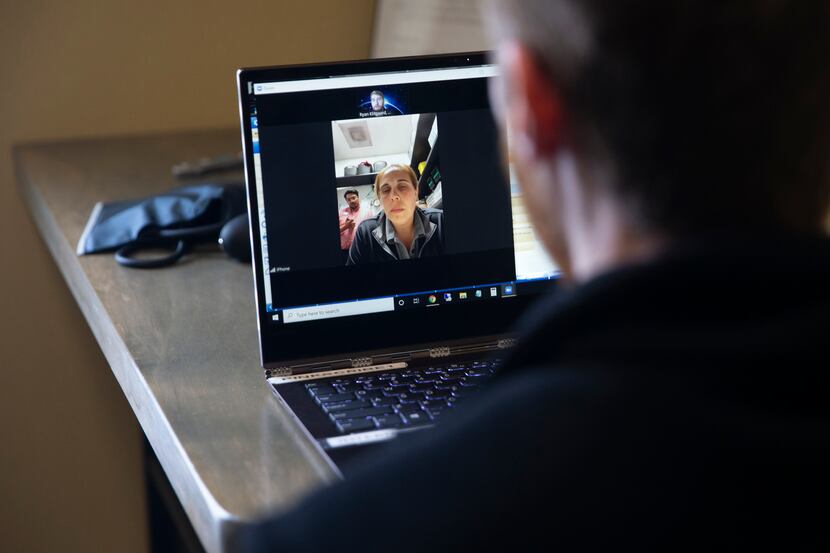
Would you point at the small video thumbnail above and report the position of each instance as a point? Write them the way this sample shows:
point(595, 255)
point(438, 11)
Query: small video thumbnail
point(381, 103)
point(354, 205)
point(389, 188)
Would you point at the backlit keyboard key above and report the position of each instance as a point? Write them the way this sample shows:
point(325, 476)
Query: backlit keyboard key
point(355, 425)
point(416, 417)
point(360, 413)
point(344, 406)
point(388, 421)
point(335, 398)
point(321, 390)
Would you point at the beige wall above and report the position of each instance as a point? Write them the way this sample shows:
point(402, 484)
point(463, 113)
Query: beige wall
point(69, 447)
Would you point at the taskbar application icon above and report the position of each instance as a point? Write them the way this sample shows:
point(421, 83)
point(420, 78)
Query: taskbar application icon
point(455, 296)
point(408, 302)
point(417, 301)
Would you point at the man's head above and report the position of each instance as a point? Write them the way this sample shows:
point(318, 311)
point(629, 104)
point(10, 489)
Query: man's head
point(352, 198)
point(685, 117)
point(377, 100)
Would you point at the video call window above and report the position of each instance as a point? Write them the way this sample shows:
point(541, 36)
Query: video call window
point(389, 189)
point(389, 176)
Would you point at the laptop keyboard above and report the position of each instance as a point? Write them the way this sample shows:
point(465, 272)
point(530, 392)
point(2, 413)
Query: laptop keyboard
point(398, 399)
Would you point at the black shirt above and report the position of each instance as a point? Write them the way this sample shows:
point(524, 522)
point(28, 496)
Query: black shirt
point(680, 404)
point(374, 241)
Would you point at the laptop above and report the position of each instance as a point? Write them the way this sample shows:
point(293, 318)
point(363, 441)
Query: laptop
point(391, 250)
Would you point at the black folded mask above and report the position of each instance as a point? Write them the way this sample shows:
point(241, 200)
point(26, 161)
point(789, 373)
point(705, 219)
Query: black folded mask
point(174, 221)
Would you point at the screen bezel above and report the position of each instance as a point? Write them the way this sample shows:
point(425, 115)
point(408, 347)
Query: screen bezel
point(448, 325)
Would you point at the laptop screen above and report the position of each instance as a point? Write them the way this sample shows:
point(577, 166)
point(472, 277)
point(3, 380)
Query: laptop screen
point(383, 212)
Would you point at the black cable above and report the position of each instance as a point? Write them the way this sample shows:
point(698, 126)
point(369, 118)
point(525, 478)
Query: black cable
point(123, 255)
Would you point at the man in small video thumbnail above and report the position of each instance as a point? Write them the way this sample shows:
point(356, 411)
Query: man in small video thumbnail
point(378, 106)
point(377, 100)
point(350, 217)
point(403, 230)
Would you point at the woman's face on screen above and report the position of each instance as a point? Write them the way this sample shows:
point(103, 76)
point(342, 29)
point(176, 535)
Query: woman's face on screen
point(398, 196)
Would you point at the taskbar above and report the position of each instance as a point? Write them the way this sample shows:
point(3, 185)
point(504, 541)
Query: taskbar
point(424, 299)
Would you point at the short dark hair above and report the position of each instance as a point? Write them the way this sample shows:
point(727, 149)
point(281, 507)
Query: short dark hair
point(352, 191)
point(713, 114)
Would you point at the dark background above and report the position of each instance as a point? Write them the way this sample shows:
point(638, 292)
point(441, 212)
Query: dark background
point(332, 105)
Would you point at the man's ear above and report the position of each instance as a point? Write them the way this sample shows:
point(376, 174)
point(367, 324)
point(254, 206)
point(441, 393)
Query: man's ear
point(531, 102)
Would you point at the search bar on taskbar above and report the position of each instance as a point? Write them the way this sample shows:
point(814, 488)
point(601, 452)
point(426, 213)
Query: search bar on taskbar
point(334, 310)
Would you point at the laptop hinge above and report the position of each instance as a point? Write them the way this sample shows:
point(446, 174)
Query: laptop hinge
point(480, 347)
point(389, 358)
point(279, 371)
point(448, 352)
point(443, 351)
point(289, 370)
point(506, 343)
point(351, 363)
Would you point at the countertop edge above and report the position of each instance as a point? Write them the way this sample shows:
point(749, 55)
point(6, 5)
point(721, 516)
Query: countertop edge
point(210, 520)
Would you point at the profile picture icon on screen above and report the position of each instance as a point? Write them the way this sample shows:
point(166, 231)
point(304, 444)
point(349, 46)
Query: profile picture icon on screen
point(377, 100)
point(379, 103)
